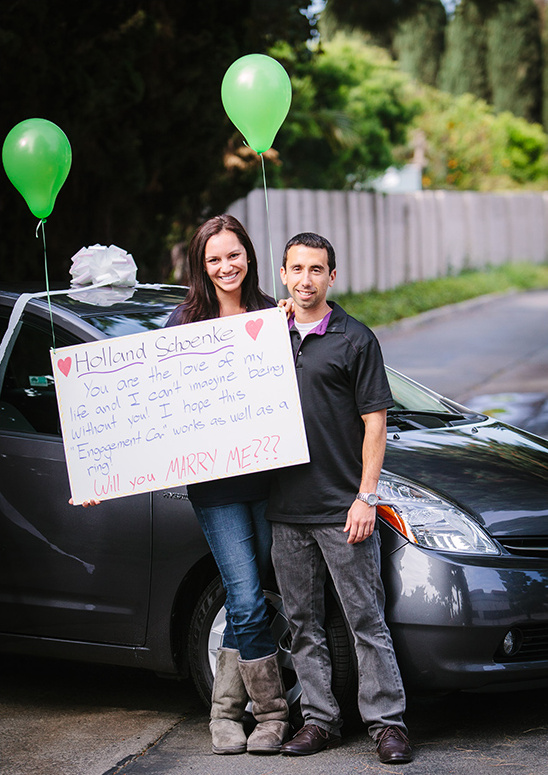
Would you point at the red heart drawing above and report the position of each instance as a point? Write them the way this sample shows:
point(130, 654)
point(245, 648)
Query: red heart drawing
point(65, 364)
point(253, 327)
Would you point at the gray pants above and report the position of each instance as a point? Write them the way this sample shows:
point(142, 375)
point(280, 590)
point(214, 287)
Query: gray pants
point(302, 554)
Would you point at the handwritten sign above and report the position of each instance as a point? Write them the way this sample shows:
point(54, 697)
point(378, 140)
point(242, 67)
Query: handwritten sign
point(179, 405)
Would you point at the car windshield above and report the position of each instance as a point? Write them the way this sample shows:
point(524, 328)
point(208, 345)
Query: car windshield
point(408, 395)
point(416, 407)
point(122, 311)
point(130, 323)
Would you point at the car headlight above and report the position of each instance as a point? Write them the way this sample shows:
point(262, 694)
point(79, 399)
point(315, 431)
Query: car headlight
point(429, 521)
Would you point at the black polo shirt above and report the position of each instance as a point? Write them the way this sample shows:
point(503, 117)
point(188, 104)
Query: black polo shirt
point(341, 376)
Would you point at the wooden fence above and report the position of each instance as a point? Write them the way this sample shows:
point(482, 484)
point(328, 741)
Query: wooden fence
point(384, 240)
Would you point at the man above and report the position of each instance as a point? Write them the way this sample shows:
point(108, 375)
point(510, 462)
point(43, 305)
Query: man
point(323, 512)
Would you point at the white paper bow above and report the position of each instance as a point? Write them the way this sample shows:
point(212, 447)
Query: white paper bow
point(105, 266)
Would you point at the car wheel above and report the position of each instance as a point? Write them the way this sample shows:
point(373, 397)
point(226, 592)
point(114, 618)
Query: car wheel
point(206, 632)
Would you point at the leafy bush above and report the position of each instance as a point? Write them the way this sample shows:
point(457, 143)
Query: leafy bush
point(469, 147)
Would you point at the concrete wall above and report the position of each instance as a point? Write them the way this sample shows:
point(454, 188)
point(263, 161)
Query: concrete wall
point(384, 240)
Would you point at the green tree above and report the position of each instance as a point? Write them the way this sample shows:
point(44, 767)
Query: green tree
point(494, 51)
point(351, 110)
point(135, 84)
point(419, 41)
point(464, 63)
point(543, 11)
point(514, 59)
point(380, 18)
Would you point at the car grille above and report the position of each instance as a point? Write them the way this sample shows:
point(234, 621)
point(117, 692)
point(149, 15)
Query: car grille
point(534, 645)
point(526, 547)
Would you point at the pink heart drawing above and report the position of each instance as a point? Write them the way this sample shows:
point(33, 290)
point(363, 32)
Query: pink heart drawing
point(65, 364)
point(253, 327)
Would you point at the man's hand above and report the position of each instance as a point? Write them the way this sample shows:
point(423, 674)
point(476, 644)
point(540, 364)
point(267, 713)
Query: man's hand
point(360, 522)
point(288, 305)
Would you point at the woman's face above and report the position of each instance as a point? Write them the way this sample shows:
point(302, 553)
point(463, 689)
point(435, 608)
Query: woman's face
point(225, 261)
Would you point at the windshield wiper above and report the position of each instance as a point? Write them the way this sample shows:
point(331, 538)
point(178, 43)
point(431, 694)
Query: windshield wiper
point(407, 419)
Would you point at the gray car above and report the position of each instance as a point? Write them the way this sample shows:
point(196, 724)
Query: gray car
point(463, 520)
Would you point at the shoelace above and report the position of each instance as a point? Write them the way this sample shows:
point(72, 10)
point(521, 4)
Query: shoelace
point(310, 729)
point(390, 732)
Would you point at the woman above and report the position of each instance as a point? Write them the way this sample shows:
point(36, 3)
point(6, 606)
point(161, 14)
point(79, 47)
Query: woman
point(224, 281)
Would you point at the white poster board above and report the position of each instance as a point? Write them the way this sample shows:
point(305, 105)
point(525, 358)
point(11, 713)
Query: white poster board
point(179, 405)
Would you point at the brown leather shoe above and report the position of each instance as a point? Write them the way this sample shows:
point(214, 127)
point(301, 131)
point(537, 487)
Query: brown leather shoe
point(393, 746)
point(310, 739)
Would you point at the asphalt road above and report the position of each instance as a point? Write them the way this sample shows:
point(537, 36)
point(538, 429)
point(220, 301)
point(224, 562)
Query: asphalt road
point(490, 354)
point(68, 719)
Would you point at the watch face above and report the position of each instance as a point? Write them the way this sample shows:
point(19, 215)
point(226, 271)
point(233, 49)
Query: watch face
point(370, 498)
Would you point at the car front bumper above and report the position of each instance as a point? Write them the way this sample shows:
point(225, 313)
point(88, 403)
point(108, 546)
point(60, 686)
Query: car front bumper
point(449, 616)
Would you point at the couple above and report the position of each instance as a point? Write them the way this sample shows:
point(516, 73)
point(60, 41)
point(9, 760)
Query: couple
point(315, 518)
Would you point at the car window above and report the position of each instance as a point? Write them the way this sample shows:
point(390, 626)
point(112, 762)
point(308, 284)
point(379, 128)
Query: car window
point(27, 397)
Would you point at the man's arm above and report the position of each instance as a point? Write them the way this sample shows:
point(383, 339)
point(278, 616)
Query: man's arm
point(360, 522)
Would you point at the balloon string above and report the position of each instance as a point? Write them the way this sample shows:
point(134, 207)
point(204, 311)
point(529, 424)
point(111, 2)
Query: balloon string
point(41, 223)
point(269, 230)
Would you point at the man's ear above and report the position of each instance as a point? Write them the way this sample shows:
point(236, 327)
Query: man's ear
point(332, 277)
point(283, 275)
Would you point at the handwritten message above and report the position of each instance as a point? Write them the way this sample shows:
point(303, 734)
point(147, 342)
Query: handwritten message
point(179, 405)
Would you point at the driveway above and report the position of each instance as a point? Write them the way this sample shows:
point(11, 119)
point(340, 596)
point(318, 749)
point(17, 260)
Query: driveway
point(69, 719)
point(490, 354)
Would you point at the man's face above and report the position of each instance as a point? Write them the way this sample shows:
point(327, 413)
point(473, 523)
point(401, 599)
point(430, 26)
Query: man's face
point(307, 276)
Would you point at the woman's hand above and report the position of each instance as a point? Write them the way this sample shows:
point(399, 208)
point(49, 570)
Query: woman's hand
point(85, 504)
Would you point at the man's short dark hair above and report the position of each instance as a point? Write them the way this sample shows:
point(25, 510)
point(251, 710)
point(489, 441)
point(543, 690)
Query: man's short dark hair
point(311, 240)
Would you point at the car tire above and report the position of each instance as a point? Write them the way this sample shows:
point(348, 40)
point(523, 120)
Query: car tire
point(206, 632)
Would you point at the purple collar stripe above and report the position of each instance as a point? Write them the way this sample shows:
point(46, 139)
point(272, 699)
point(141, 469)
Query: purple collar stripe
point(320, 329)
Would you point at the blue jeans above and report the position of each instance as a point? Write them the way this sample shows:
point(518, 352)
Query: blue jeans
point(240, 538)
point(302, 555)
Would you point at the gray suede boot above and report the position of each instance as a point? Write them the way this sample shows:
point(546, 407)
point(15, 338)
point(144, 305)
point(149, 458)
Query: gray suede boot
point(263, 681)
point(228, 703)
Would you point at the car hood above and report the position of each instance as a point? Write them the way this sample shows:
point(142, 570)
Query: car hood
point(494, 472)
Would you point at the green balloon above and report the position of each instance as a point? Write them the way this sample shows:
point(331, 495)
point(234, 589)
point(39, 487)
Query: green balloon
point(37, 158)
point(256, 94)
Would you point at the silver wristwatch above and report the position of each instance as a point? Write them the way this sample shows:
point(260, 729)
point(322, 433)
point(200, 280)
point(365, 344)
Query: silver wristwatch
point(371, 498)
